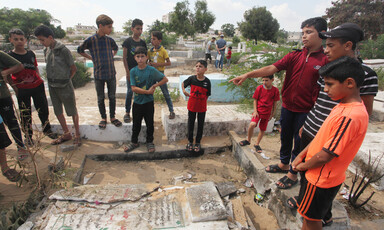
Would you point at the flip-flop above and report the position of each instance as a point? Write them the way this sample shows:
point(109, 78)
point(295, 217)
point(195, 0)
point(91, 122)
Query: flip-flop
point(12, 175)
point(189, 147)
point(102, 124)
point(61, 139)
point(116, 122)
point(325, 223)
point(244, 143)
point(288, 183)
point(77, 141)
point(197, 147)
point(131, 147)
point(291, 202)
point(151, 147)
point(275, 169)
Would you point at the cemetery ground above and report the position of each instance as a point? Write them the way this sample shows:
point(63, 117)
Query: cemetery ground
point(215, 167)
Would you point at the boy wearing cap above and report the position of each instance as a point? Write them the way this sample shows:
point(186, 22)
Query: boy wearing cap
point(341, 41)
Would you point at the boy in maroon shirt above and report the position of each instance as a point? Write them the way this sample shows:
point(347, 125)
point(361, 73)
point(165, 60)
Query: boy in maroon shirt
point(264, 106)
point(299, 93)
point(197, 103)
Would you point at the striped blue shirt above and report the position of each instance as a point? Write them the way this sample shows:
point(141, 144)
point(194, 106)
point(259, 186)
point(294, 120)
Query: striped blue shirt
point(101, 49)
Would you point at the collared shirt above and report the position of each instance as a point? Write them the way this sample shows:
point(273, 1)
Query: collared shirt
point(101, 49)
point(300, 88)
point(158, 56)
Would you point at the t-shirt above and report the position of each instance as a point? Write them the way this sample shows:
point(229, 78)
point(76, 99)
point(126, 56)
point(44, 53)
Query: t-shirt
point(324, 104)
point(221, 43)
point(229, 55)
point(300, 88)
point(210, 46)
point(6, 62)
point(144, 79)
point(341, 135)
point(59, 61)
point(158, 56)
point(265, 98)
point(200, 91)
point(131, 45)
point(28, 77)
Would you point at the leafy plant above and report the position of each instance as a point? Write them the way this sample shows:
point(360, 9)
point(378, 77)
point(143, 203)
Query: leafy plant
point(380, 76)
point(159, 97)
point(373, 48)
point(82, 76)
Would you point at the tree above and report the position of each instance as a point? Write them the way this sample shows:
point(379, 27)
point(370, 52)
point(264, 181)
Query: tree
point(228, 29)
point(203, 18)
point(259, 25)
point(127, 27)
point(366, 13)
point(181, 21)
point(27, 21)
point(184, 22)
point(58, 31)
point(162, 27)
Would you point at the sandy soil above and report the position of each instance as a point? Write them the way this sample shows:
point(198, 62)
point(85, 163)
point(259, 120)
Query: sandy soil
point(215, 167)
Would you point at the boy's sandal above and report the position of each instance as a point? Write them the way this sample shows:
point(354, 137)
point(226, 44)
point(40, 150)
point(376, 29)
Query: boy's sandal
point(291, 202)
point(102, 124)
point(116, 122)
point(12, 175)
point(244, 143)
point(22, 153)
point(61, 139)
point(197, 147)
point(275, 169)
point(287, 183)
point(77, 141)
point(189, 147)
point(127, 118)
point(130, 147)
point(258, 148)
point(326, 223)
point(151, 147)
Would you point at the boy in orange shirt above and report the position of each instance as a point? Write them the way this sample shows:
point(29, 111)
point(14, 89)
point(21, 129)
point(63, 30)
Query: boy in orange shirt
point(327, 157)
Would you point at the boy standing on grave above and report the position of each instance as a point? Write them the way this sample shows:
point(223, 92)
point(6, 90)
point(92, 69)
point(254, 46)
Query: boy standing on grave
point(197, 103)
point(29, 84)
point(60, 70)
point(229, 56)
point(129, 47)
point(264, 107)
point(299, 93)
point(103, 48)
point(143, 78)
point(335, 145)
point(158, 58)
point(210, 46)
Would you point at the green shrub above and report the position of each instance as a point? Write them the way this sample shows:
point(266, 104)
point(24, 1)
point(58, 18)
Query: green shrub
point(82, 76)
point(235, 40)
point(380, 76)
point(373, 49)
point(159, 97)
point(236, 57)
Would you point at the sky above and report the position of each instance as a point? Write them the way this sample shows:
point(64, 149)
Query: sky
point(289, 13)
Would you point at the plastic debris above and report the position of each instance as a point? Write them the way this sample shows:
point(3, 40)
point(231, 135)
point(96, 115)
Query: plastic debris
point(248, 183)
point(258, 198)
point(264, 156)
point(88, 177)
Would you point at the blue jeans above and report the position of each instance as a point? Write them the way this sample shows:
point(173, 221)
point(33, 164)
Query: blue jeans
point(128, 98)
point(164, 89)
point(219, 63)
point(290, 122)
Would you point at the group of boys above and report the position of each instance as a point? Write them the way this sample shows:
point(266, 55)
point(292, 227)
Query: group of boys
point(327, 97)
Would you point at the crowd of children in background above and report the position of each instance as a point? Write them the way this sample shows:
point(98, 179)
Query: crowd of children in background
point(330, 86)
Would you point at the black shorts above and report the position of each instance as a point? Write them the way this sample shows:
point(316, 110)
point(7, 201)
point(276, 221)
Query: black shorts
point(315, 201)
point(4, 139)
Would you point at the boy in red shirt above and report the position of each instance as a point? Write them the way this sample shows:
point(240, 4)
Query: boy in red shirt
point(197, 103)
point(264, 106)
point(229, 56)
point(335, 145)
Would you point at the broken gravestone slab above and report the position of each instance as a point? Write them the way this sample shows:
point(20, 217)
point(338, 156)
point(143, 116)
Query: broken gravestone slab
point(105, 193)
point(226, 188)
point(205, 203)
point(153, 213)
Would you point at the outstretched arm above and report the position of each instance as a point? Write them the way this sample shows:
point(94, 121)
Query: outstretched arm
point(265, 71)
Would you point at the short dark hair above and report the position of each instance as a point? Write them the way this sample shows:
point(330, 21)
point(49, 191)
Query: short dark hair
point(157, 34)
point(44, 31)
point(213, 38)
point(269, 76)
point(15, 31)
point(137, 22)
point(103, 20)
point(230, 47)
point(141, 50)
point(345, 40)
point(343, 68)
point(203, 62)
point(319, 23)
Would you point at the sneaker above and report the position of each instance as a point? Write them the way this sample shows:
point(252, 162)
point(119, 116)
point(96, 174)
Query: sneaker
point(127, 118)
point(172, 115)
